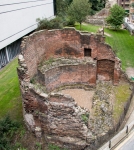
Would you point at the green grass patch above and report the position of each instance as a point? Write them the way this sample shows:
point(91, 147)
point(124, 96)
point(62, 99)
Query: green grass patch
point(47, 62)
point(87, 27)
point(122, 93)
point(55, 147)
point(10, 99)
point(121, 41)
point(85, 118)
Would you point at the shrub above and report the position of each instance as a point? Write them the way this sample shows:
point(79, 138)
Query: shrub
point(55, 147)
point(69, 21)
point(115, 19)
point(56, 23)
point(78, 10)
point(7, 130)
point(85, 118)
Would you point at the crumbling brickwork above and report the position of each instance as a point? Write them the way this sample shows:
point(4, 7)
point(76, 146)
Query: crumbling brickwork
point(56, 58)
point(67, 71)
point(60, 43)
point(105, 69)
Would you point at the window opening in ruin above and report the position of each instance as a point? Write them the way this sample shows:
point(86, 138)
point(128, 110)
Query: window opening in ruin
point(87, 52)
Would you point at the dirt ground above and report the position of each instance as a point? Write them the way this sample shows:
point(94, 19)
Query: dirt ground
point(82, 97)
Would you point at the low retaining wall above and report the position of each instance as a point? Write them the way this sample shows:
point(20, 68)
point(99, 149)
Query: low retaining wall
point(126, 130)
point(129, 26)
point(99, 18)
point(126, 107)
point(118, 138)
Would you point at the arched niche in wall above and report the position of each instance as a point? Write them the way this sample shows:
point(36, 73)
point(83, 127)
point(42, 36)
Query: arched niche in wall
point(105, 69)
point(87, 52)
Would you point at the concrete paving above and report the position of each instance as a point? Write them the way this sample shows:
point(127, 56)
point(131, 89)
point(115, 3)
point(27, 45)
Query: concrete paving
point(130, 72)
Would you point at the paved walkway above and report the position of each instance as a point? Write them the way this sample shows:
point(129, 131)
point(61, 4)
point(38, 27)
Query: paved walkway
point(130, 72)
point(127, 144)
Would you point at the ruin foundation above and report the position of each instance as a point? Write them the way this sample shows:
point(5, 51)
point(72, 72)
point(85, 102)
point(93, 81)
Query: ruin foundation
point(56, 60)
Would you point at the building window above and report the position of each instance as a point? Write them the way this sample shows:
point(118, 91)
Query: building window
point(55, 9)
point(87, 52)
point(132, 17)
point(9, 52)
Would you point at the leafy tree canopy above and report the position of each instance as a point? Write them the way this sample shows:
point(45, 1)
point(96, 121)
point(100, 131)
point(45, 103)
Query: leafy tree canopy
point(97, 5)
point(62, 6)
point(78, 10)
point(115, 19)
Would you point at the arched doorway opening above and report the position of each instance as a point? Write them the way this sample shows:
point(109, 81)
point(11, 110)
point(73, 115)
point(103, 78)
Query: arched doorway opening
point(105, 70)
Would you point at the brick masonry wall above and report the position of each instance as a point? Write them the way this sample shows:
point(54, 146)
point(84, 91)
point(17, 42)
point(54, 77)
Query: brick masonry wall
point(69, 74)
point(105, 69)
point(57, 116)
point(63, 43)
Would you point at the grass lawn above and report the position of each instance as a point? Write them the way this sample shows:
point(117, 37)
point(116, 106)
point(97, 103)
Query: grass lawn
point(121, 41)
point(10, 99)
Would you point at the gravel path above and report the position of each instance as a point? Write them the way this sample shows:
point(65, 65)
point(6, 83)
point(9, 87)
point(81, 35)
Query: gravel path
point(130, 72)
point(82, 97)
point(107, 34)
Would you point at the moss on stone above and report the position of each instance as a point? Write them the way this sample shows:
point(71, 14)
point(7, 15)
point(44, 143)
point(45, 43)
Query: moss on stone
point(85, 118)
point(122, 93)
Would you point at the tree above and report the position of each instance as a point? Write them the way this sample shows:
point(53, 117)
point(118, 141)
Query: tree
point(97, 5)
point(62, 6)
point(115, 19)
point(78, 10)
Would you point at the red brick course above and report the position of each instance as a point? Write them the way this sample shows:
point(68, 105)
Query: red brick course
point(57, 115)
point(67, 43)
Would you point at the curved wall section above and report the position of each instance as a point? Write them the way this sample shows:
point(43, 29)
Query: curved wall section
point(83, 72)
point(60, 43)
point(59, 58)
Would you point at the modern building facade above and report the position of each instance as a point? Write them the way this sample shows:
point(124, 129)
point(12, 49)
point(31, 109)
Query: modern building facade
point(131, 12)
point(17, 19)
point(128, 5)
point(124, 4)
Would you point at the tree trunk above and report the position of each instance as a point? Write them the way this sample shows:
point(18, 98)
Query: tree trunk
point(80, 25)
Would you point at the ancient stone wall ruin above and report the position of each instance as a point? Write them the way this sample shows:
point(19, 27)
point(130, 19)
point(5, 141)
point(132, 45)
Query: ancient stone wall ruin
point(66, 43)
point(59, 58)
point(100, 17)
point(67, 72)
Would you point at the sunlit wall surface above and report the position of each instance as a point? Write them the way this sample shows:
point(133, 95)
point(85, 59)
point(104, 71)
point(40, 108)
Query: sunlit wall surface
point(18, 18)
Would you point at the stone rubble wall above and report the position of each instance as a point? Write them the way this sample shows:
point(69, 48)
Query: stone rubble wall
point(54, 114)
point(98, 18)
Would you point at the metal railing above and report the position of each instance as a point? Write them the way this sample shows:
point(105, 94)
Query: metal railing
point(118, 138)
